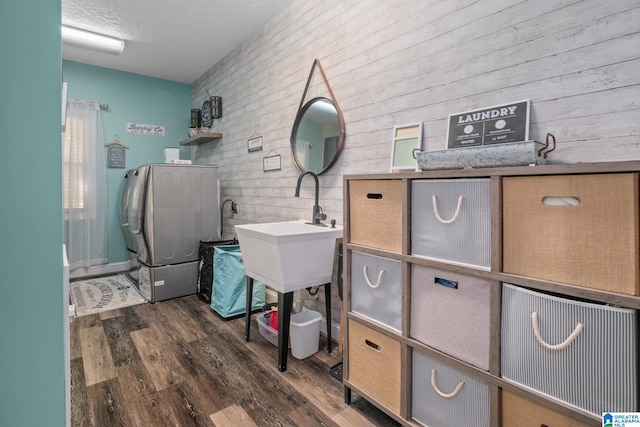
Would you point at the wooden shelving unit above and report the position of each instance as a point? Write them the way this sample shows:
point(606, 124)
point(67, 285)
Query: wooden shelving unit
point(383, 237)
point(201, 138)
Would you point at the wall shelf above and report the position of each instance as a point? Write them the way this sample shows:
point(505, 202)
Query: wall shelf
point(201, 138)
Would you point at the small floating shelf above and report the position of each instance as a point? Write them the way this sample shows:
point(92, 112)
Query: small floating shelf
point(201, 138)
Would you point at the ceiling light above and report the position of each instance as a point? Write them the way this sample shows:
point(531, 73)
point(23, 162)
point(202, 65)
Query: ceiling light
point(86, 39)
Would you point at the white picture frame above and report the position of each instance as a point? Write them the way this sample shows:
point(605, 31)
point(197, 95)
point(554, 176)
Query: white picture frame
point(254, 144)
point(406, 139)
point(271, 163)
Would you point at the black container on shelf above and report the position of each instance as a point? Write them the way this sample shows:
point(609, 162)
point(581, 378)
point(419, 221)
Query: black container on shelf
point(216, 107)
point(196, 118)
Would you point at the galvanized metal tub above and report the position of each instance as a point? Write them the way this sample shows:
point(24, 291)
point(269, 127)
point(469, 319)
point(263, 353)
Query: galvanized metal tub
point(486, 156)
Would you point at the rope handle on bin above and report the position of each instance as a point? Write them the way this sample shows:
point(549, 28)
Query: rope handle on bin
point(366, 278)
point(571, 338)
point(455, 216)
point(440, 393)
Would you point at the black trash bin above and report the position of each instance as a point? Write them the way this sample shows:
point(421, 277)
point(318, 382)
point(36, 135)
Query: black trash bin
point(205, 272)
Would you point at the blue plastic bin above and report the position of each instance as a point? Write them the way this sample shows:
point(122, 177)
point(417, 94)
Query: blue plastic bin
point(229, 284)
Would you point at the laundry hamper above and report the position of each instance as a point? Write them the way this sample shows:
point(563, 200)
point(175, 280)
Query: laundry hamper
point(229, 284)
point(205, 270)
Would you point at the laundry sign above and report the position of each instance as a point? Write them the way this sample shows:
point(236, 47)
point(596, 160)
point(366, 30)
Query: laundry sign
point(491, 125)
point(145, 129)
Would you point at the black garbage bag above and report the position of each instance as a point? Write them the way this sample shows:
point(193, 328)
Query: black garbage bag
point(205, 272)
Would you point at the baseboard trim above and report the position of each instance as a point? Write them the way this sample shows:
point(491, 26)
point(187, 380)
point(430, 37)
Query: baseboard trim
point(335, 329)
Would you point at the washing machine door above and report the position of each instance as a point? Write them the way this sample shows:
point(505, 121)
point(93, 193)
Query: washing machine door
point(136, 212)
point(124, 208)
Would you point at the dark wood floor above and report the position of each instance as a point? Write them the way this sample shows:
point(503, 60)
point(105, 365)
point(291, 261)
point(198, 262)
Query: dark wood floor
point(177, 363)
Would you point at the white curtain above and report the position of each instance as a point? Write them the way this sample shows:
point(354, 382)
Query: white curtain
point(84, 183)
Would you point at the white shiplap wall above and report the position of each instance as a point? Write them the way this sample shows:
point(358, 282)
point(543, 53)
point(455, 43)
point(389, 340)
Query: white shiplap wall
point(393, 62)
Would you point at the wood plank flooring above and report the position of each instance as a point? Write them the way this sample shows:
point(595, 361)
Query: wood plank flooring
point(177, 363)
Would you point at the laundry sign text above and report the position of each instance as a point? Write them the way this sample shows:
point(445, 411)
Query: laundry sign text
point(490, 114)
point(491, 125)
point(145, 129)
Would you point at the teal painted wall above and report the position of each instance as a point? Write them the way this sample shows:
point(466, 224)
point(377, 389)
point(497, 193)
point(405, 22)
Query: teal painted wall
point(31, 294)
point(132, 98)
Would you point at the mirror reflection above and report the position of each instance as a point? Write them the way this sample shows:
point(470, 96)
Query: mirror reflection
point(316, 136)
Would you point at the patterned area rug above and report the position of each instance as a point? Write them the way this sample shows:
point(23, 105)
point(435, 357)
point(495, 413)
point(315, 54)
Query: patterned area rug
point(103, 294)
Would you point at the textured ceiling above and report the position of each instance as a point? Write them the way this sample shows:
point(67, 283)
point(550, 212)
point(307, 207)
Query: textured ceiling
point(176, 40)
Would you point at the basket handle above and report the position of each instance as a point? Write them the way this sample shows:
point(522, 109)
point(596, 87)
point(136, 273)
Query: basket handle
point(440, 393)
point(571, 338)
point(372, 345)
point(446, 283)
point(366, 278)
point(455, 216)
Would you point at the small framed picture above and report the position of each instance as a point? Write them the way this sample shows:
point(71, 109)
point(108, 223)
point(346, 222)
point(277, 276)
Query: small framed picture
point(271, 163)
point(406, 139)
point(254, 144)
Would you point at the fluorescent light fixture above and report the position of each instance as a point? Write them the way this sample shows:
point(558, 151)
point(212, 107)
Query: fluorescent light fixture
point(86, 39)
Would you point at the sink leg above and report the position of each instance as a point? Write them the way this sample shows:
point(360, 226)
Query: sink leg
point(327, 306)
point(285, 302)
point(248, 308)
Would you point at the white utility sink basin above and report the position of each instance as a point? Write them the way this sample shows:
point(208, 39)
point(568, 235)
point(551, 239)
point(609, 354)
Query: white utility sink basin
point(289, 255)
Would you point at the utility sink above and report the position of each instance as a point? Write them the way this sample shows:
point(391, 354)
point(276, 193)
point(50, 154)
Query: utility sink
point(288, 255)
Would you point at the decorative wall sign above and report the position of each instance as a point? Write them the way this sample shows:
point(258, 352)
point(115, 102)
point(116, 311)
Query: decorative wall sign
point(145, 129)
point(254, 144)
point(406, 139)
point(216, 106)
point(116, 156)
point(271, 163)
point(115, 153)
point(492, 125)
point(207, 120)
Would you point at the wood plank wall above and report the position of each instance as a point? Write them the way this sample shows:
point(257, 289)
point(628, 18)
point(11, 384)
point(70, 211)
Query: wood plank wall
point(393, 62)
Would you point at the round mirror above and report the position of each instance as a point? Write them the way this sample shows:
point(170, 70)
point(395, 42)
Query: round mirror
point(317, 136)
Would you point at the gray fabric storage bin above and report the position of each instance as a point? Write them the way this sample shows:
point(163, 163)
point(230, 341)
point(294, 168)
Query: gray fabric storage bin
point(466, 400)
point(456, 320)
point(451, 220)
point(595, 366)
point(376, 289)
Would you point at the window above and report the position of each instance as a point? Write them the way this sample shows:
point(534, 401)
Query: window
point(72, 164)
point(84, 185)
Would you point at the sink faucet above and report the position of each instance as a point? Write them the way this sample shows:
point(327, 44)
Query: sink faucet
point(318, 216)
